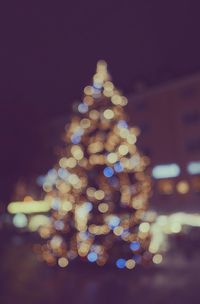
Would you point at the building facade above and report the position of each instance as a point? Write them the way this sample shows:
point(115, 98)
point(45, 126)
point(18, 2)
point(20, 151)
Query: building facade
point(169, 119)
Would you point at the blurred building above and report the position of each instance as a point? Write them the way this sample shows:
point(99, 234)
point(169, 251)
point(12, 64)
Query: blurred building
point(169, 119)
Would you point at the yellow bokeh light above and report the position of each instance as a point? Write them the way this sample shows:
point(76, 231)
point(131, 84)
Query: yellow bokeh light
point(144, 227)
point(124, 101)
point(63, 262)
point(94, 114)
point(103, 207)
point(124, 132)
point(29, 207)
point(99, 194)
point(118, 230)
point(95, 147)
point(130, 264)
point(123, 149)
point(85, 123)
point(88, 90)
point(157, 258)
point(183, 187)
point(131, 139)
point(116, 99)
point(77, 152)
point(90, 191)
point(71, 162)
point(73, 179)
point(108, 86)
point(112, 157)
point(66, 206)
point(63, 162)
point(108, 114)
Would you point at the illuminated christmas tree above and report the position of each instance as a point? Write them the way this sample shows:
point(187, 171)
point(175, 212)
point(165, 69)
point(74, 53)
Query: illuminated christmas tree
point(99, 189)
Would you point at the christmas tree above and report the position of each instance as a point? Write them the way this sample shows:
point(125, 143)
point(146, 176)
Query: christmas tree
point(99, 188)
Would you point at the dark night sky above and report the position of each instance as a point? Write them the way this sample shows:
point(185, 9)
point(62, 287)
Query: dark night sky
point(49, 50)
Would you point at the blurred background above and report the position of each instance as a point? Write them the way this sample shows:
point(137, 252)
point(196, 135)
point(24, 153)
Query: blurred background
point(48, 54)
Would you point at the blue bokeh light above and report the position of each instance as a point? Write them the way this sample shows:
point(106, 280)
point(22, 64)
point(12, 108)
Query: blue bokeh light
point(122, 124)
point(88, 206)
point(75, 139)
point(63, 173)
point(92, 257)
point(118, 167)
point(121, 263)
point(113, 221)
point(108, 172)
point(135, 246)
point(83, 108)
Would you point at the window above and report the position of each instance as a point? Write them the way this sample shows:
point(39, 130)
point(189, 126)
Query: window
point(166, 171)
point(194, 167)
point(165, 187)
point(182, 187)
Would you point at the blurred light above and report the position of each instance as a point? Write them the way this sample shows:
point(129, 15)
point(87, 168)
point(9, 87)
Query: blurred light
point(165, 171)
point(94, 114)
point(157, 259)
point(38, 220)
point(85, 123)
point(63, 262)
point(59, 225)
point(123, 149)
point(66, 206)
point(103, 207)
point(75, 139)
point(135, 246)
point(108, 114)
point(166, 187)
point(194, 167)
point(29, 207)
point(83, 108)
point(112, 157)
point(130, 264)
point(144, 227)
point(122, 124)
point(108, 172)
point(92, 257)
point(121, 263)
point(175, 227)
point(183, 187)
point(99, 194)
point(77, 152)
point(118, 230)
point(118, 167)
point(20, 220)
point(112, 220)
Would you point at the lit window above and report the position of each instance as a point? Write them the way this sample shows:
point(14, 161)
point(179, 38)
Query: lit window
point(166, 171)
point(194, 167)
point(166, 187)
point(183, 187)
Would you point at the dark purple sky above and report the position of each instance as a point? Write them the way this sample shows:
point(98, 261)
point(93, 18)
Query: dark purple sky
point(49, 50)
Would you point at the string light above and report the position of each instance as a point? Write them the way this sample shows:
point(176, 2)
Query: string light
point(99, 189)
